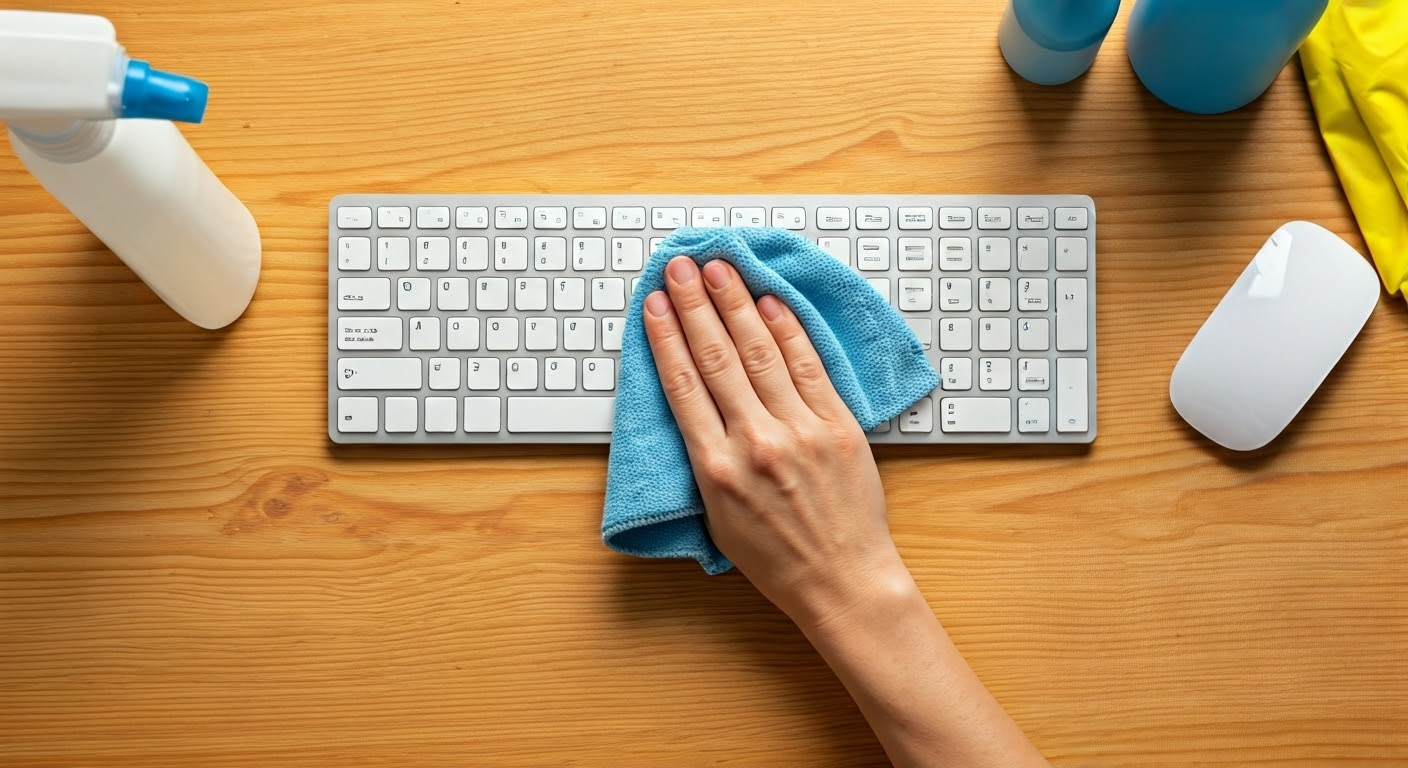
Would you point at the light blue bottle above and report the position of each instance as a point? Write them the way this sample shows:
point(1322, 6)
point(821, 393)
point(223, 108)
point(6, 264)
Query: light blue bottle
point(1211, 56)
point(1050, 42)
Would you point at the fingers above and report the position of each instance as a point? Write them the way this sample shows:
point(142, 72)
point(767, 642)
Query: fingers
point(757, 351)
point(808, 373)
point(690, 401)
point(713, 351)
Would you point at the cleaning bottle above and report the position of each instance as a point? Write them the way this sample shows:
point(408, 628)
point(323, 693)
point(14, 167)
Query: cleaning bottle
point(1051, 42)
point(1213, 56)
point(94, 127)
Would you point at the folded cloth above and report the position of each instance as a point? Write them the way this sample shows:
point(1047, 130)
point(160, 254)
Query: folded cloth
point(1356, 66)
point(875, 362)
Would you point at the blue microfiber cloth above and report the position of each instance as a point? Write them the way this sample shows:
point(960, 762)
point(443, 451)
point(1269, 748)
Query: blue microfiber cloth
point(653, 506)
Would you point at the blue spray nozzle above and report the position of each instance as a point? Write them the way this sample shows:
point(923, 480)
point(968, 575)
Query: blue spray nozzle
point(148, 92)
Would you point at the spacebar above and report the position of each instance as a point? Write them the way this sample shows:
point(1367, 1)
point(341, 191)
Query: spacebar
point(560, 414)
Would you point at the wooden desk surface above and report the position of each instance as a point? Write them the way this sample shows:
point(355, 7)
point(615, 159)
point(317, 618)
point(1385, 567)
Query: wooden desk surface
point(192, 575)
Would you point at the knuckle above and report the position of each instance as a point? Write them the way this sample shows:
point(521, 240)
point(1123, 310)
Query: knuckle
point(713, 359)
point(757, 357)
point(808, 370)
point(767, 453)
point(718, 471)
point(682, 380)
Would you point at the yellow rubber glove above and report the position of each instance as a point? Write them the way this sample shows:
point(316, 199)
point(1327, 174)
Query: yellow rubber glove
point(1356, 64)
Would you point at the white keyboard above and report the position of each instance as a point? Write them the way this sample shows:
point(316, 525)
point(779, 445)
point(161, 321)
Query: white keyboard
point(498, 318)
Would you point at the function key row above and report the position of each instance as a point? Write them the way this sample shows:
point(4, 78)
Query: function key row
point(639, 217)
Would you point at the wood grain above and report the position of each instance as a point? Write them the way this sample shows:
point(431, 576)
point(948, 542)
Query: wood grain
point(190, 574)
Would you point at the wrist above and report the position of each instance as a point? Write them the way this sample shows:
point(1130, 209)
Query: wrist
point(876, 591)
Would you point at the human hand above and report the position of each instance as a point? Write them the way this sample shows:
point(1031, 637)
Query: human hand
point(791, 492)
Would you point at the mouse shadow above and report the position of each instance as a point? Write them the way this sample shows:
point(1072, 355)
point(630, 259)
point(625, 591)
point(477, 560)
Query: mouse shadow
point(656, 595)
point(1289, 438)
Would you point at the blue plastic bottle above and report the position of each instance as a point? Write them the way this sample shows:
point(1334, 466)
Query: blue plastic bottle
point(1211, 56)
point(1050, 42)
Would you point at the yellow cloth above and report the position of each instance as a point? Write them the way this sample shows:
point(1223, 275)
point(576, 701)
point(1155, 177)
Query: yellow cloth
point(1356, 64)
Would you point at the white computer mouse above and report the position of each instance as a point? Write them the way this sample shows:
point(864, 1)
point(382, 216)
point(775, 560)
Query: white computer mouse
point(1274, 337)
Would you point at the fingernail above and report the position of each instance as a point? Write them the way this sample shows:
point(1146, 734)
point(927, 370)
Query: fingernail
point(770, 307)
point(681, 269)
point(657, 303)
point(716, 272)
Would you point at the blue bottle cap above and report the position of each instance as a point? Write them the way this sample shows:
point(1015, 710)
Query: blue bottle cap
point(148, 92)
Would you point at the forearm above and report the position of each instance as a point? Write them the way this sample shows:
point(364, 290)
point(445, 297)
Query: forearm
point(922, 699)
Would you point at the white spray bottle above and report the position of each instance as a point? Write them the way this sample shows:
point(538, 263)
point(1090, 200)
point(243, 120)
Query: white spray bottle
point(75, 105)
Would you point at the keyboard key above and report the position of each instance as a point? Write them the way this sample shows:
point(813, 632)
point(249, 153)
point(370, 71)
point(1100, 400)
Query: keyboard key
point(483, 373)
point(916, 294)
point(540, 334)
point(481, 414)
point(363, 293)
point(1070, 218)
point(502, 335)
point(546, 217)
point(491, 294)
point(916, 254)
point(1032, 218)
point(612, 329)
point(550, 254)
point(1033, 335)
point(956, 373)
point(401, 414)
point(1033, 254)
point(872, 217)
point(530, 294)
point(522, 373)
point(708, 217)
point(994, 294)
point(354, 217)
point(608, 294)
point(1033, 374)
point(789, 218)
point(955, 254)
point(955, 218)
point(1071, 411)
point(916, 218)
point(1032, 294)
point(462, 333)
point(471, 217)
point(433, 218)
point(873, 254)
point(627, 254)
point(956, 334)
point(881, 286)
point(560, 414)
point(511, 217)
point(425, 334)
point(589, 254)
point(976, 414)
point(354, 253)
point(994, 218)
point(561, 374)
point(1070, 314)
point(923, 329)
point(995, 373)
point(599, 374)
point(628, 218)
point(378, 373)
point(396, 217)
point(1071, 254)
point(589, 218)
point(748, 217)
point(667, 218)
point(838, 247)
point(955, 294)
point(432, 253)
point(445, 374)
point(369, 333)
point(510, 254)
point(356, 414)
point(579, 334)
point(413, 293)
point(833, 218)
point(569, 294)
point(995, 334)
point(1033, 414)
point(471, 254)
point(918, 417)
point(441, 415)
point(994, 254)
point(393, 254)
